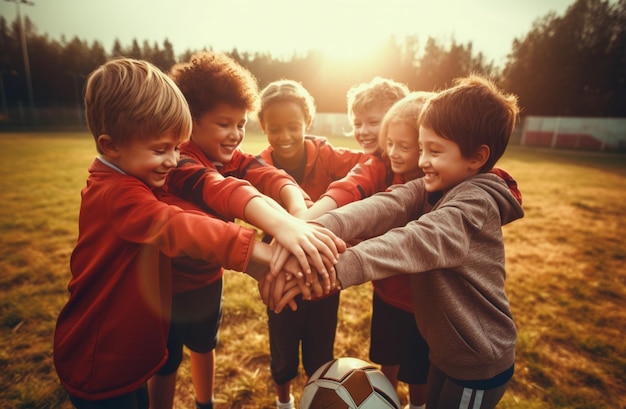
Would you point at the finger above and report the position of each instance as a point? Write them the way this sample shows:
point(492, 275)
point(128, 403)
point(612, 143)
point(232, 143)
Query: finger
point(329, 239)
point(279, 256)
point(287, 298)
point(265, 290)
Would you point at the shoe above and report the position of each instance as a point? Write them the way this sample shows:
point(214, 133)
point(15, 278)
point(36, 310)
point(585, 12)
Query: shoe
point(286, 405)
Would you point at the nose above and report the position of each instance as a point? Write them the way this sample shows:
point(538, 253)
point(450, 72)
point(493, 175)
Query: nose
point(364, 129)
point(423, 160)
point(171, 159)
point(392, 151)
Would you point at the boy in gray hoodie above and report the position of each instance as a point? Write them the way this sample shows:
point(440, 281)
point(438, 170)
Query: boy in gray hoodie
point(445, 230)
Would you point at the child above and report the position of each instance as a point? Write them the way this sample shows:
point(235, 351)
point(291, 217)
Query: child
point(218, 177)
point(286, 113)
point(367, 104)
point(110, 336)
point(449, 225)
point(395, 341)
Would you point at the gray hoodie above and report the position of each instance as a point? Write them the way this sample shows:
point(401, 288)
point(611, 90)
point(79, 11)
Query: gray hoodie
point(454, 251)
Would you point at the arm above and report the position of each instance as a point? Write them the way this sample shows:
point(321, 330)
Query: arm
point(267, 179)
point(297, 236)
point(293, 200)
point(377, 214)
point(211, 191)
point(365, 179)
point(323, 205)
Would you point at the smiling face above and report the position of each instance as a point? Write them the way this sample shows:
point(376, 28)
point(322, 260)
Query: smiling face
point(402, 149)
point(285, 124)
point(366, 126)
point(442, 163)
point(149, 160)
point(220, 131)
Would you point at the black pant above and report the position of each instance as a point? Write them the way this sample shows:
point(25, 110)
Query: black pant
point(134, 400)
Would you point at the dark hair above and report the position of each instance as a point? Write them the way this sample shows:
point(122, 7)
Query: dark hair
point(211, 78)
point(472, 113)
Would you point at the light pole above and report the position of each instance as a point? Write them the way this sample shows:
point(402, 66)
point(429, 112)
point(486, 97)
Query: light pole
point(29, 84)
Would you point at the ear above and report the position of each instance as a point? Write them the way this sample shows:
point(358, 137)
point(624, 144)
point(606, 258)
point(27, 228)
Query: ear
point(107, 146)
point(480, 157)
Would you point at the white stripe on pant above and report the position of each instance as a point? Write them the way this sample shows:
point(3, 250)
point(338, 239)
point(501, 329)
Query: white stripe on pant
point(467, 397)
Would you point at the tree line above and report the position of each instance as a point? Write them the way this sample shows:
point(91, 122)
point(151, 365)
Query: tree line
point(569, 65)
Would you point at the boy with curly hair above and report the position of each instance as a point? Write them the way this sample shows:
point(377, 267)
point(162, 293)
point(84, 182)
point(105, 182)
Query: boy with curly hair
point(217, 176)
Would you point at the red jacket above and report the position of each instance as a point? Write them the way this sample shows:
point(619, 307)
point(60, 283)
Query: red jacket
point(370, 176)
point(222, 191)
point(225, 190)
point(324, 164)
point(110, 337)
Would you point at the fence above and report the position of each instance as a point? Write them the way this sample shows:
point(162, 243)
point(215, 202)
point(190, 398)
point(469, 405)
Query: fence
point(593, 134)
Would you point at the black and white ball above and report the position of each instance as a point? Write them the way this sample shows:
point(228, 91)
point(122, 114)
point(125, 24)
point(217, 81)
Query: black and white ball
point(349, 383)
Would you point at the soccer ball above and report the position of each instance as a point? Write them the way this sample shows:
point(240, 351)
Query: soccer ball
point(348, 383)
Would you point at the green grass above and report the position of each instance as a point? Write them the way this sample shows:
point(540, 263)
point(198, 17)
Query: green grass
point(565, 262)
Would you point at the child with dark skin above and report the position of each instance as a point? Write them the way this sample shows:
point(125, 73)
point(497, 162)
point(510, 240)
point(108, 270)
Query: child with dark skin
point(286, 113)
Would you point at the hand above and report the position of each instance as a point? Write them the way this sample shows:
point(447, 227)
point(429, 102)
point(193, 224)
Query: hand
point(304, 240)
point(292, 268)
point(290, 288)
point(281, 253)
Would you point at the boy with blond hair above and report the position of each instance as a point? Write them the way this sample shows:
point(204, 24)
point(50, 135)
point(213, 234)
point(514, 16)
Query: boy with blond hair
point(444, 229)
point(367, 104)
point(110, 336)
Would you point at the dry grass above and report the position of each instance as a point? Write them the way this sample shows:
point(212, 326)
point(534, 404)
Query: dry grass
point(566, 264)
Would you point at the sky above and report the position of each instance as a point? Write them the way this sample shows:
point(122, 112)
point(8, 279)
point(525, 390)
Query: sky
point(338, 28)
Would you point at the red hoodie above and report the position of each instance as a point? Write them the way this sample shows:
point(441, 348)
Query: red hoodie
point(110, 337)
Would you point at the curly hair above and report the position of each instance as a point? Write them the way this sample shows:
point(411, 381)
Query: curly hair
point(379, 92)
point(287, 91)
point(211, 78)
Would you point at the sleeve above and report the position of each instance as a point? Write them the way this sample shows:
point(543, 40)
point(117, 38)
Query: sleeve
point(365, 179)
point(210, 190)
point(339, 161)
point(138, 216)
point(437, 240)
point(267, 179)
point(377, 214)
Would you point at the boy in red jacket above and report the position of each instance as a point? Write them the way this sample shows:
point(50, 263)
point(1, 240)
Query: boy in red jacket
point(110, 337)
point(224, 181)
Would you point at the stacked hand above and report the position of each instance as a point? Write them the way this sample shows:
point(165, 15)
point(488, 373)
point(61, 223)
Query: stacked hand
point(285, 279)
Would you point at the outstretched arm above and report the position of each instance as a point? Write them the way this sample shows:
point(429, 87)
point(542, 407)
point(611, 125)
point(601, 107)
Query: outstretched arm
point(296, 236)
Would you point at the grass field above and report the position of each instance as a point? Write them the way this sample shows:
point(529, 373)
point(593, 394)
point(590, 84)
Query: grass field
point(566, 264)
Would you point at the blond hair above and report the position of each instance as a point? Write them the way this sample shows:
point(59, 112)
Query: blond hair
point(127, 99)
point(405, 111)
point(287, 91)
point(378, 93)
